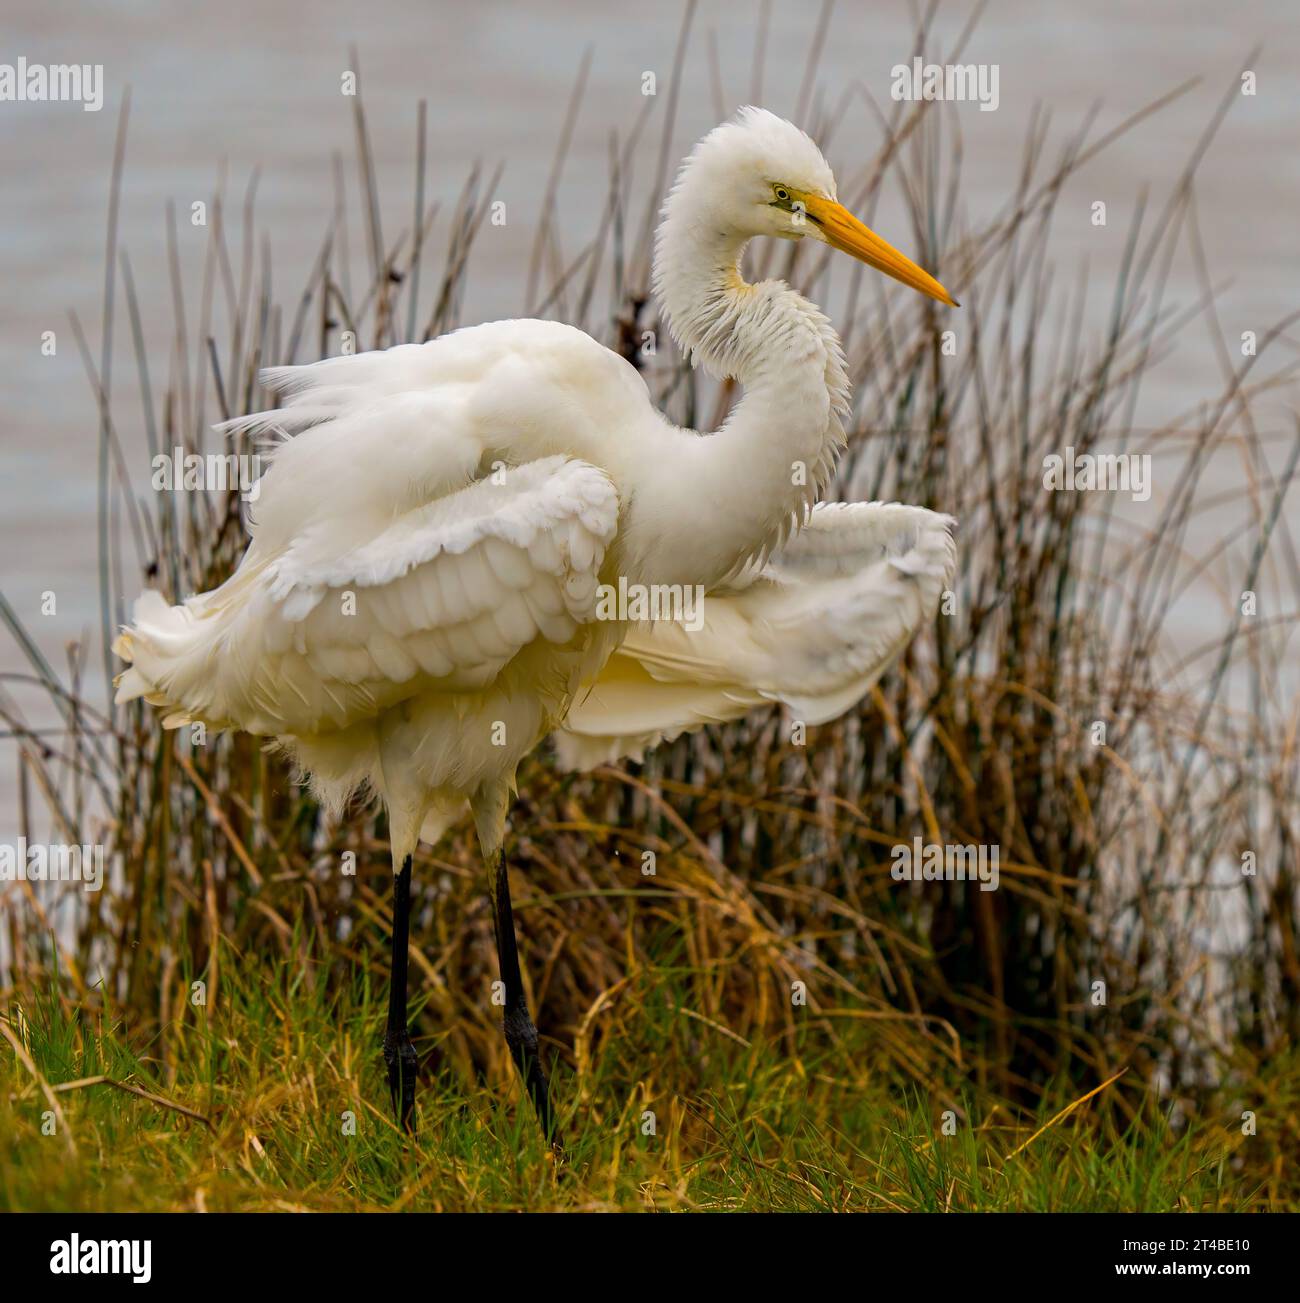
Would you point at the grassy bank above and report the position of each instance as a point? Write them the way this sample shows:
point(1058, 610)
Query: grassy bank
point(269, 1080)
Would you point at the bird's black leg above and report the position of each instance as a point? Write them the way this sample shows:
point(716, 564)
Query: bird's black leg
point(521, 1035)
point(399, 1053)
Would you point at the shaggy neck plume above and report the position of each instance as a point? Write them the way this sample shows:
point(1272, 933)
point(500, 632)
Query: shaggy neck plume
point(776, 451)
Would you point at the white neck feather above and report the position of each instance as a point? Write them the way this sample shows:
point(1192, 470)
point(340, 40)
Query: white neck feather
point(774, 455)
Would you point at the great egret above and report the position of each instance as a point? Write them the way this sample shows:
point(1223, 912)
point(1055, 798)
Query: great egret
point(421, 601)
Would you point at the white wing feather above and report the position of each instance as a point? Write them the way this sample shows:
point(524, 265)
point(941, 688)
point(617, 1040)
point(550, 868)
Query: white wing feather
point(815, 629)
point(386, 557)
point(444, 597)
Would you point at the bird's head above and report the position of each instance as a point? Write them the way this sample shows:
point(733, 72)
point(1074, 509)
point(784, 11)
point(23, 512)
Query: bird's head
point(760, 175)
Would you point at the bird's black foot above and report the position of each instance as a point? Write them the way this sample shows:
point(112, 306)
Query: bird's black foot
point(399, 1053)
point(521, 1037)
point(400, 1056)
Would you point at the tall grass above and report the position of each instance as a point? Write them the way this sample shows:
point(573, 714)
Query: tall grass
point(1120, 861)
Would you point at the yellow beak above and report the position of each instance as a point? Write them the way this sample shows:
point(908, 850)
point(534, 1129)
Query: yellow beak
point(843, 231)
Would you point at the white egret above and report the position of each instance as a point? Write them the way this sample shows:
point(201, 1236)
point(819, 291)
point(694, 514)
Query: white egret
point(419, 605)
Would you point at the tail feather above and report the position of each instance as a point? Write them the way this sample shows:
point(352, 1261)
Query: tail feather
point(157, 634)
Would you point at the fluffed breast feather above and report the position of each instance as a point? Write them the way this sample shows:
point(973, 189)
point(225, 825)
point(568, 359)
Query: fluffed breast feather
point(324, 633)
point(813, 628)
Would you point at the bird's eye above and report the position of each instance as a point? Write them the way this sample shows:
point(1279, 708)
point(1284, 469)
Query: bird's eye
point(782, 194)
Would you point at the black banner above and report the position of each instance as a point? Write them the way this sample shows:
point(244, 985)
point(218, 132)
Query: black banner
point(88, 1253)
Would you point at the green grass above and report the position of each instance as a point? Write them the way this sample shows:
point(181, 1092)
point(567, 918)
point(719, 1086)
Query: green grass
point(799, 1123)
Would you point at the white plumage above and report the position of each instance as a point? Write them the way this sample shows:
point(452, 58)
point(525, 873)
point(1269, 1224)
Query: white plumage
point(417, 608)
point(814, 629)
